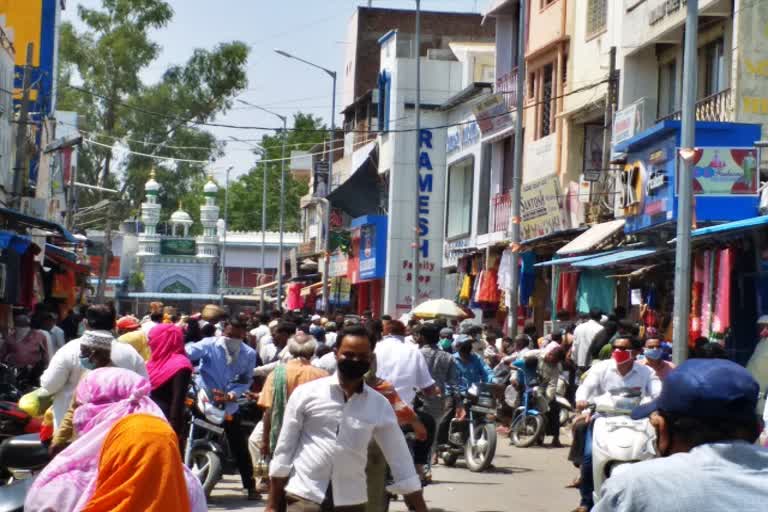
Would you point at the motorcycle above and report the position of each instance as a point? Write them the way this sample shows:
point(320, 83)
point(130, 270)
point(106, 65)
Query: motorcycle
point(617, 439)
point(207, 451)
point(567, 412)
point(527, 425)
point(473, 436)
point(15, 422)
point(21, 458)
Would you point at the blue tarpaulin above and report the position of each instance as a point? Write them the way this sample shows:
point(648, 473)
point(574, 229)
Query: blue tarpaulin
point(614, 258)
point(14, 241)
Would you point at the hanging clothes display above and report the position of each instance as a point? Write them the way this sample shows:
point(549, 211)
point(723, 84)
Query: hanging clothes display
point(488, 291)
point(527, 276)
point(293, 300)
point(697, 289)
point(706, 292)
point(505, 270)
point(466, 289)
point(595, 290)
point(721, 318)
point(566, 292)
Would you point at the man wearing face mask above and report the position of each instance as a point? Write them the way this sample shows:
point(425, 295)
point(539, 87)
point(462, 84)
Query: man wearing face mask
point(321, 453)
point(706, 426)
point(226, 371)
point(605, 376)
point(654, 358)
point(66, 367)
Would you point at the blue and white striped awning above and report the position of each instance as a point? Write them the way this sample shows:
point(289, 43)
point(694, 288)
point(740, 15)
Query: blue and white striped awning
point(608, 260)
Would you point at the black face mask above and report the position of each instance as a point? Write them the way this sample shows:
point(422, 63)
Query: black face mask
point(353, 370)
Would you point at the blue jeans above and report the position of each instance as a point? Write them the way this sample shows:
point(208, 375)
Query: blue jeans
point(587, 486)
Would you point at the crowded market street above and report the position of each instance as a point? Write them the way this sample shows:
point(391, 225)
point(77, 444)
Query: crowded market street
point(533, 479)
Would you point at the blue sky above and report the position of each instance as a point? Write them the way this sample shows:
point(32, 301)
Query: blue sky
point(312, 29)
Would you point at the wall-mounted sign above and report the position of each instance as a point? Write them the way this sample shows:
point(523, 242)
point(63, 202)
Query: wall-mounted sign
point(178, 247)
point(656, 180)
point(543, 208)
point(628, 122)
point(592, 175)
point(339, 264)
point(462, 137)
point(493, 116)
point(320, 178)
point(663, 9)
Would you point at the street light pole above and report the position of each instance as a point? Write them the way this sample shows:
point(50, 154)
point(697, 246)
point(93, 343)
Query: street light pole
point(223, 253)
point(685, 188)
point(284, 119)
point(416, 228)
point(326, 266)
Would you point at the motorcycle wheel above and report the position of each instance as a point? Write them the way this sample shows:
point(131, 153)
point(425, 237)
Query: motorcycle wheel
point(527, 430)
point(206, 466)
point(449, 458)
point(479, 452)
point(565, 416)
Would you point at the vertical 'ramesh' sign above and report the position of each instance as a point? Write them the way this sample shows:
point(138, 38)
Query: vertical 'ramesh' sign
point(426, 186)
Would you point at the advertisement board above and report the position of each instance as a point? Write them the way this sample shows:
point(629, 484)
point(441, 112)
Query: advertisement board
point(339, 264)
point(543, 208)
point(34, 22)
point(725, 171)
point(340, 291)
point(372, 252)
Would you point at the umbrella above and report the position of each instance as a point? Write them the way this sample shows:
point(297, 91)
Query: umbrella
point(439, 308)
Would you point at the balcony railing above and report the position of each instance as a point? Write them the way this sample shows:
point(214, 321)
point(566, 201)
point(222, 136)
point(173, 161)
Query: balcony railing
point(502, 207)
point(507, 85)
point(716, 107)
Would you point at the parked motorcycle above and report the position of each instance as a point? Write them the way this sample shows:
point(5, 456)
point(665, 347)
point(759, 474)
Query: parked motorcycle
point(15, 422)
point(527, 425)
point(207, 451)
point(474, 436)
point(617, 439)
point(21, 458)
point(567, 412)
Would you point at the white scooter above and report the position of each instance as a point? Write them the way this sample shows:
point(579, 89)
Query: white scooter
point(617, 439)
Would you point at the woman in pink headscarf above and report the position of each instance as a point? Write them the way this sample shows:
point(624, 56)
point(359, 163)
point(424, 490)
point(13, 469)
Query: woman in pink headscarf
point(105, 395)
point(169, 372)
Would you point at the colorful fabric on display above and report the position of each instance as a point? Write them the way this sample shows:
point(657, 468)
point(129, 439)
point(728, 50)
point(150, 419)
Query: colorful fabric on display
point(721, 320)
point(697, 290)
point(566, 292)
point(554, 293)
point(466, 289)
point(167, 354)
point(488, 292)
point(595, 291)
point(293, 301)
point(106, 395)
point(706, 295)
point(527, 276)
point(141, 454)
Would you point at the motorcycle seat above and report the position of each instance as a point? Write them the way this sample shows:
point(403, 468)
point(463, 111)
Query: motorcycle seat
point(23, 452)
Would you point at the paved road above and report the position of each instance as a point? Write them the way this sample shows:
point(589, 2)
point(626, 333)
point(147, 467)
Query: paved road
point(530, 479)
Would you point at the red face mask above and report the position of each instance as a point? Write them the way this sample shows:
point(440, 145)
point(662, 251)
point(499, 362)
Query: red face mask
point(621, 356)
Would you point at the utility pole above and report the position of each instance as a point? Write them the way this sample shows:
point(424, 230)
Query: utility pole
point(106, 257)
point(685, 188)
point(517, 174)
point(610, 105)
point(20, 174)
point(417, 188)
point(282, 213)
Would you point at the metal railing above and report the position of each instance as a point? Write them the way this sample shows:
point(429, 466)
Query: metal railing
point(507, 85)
point(502, 208)
point(717, 107)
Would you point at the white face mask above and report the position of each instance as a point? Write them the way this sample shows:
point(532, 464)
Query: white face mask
point(21, 333)
point(233, 348)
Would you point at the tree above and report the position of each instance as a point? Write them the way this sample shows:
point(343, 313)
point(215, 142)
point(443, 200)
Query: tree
point(108, 57)
point(245, 194)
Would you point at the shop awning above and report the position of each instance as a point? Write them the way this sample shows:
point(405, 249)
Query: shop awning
point(65, 259)
point(730, 227)
point(593, 238)
point(359, 195)
point(19, 243)
point(620, 257)
point(571, 260)
point(33, 222)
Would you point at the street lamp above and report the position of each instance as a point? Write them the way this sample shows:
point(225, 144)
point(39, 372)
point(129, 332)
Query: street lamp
point(332, 74)
point(222, 254)
point(284, 119)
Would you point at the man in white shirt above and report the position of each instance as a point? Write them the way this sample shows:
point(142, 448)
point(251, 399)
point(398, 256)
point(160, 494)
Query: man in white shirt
point(583, 336)
point(261, 330)
point(619, 372)
point(273, 349)
point(402, 364)
point(63, 373)
point(321, 453)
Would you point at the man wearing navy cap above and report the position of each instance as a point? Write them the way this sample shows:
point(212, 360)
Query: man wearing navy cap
point(706, 425)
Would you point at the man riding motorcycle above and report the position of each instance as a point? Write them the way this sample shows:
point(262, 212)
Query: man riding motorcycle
point(616, 373)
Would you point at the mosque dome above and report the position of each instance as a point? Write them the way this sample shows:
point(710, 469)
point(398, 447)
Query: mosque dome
point(152, 185)
point(210, 187)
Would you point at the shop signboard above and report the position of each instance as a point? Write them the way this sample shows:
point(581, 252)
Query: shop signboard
point(461, 137)
point(320, 178)
point(627, 123)
point(493, 116)
point(178, 247)
point(725, 175)
point(372, 255)
point(543, 208)
point(340, 291)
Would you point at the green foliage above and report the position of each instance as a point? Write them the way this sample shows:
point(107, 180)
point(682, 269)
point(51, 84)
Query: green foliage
point(105, 60)
point(246, 193)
